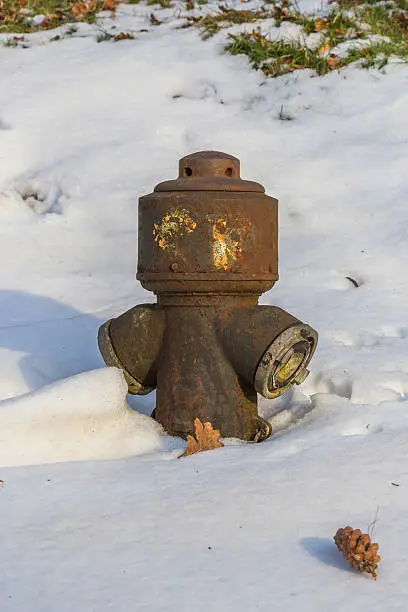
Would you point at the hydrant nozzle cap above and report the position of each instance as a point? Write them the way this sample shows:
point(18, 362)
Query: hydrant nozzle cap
point(209, 171)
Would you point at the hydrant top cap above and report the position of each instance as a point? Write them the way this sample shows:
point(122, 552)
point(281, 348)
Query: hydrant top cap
point(209, 171)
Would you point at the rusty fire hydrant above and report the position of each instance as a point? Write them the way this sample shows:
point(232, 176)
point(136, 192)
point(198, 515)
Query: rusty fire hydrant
point(208, 248)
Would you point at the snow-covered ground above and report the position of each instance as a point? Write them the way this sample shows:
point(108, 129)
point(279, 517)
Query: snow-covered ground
point(90, 127)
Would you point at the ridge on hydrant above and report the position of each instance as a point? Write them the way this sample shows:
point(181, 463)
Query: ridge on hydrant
point(208, 248)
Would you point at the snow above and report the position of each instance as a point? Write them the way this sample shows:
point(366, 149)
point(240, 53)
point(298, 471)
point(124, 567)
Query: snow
point(87, 128)
point(83, 417)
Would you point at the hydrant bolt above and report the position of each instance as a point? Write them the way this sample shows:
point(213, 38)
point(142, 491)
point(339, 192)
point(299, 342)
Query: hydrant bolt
point(208, 248)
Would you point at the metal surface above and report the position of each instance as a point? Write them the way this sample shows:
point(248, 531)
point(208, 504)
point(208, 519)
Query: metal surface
point(208, 248)
point(132, 342)
point(208, 231)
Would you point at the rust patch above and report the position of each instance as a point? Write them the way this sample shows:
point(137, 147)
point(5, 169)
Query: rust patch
point(177, 222)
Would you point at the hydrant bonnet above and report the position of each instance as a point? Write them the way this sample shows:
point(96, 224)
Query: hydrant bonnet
point(208, 227)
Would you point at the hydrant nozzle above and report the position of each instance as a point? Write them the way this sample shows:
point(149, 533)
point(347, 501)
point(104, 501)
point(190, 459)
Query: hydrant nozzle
point(208, 248)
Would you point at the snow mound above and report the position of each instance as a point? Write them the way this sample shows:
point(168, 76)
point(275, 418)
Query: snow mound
point(84, 417)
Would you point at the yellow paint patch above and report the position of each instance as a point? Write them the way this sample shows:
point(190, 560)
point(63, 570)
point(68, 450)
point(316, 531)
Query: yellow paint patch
point(225, 247)
point(228, 235)
point(177, 222)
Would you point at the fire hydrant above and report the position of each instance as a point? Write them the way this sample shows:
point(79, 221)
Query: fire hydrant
point(208, 248)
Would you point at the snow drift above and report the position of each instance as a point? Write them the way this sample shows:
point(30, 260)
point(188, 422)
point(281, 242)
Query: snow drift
point(82, 417)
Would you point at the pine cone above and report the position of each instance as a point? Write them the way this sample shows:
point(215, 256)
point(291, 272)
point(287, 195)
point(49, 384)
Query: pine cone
point(358, 549)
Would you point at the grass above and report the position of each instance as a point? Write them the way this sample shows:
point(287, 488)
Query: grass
point(379, 29)
point(104, 36)
point(276, 58)
point(211, 23)
point(377, 54)
point(161, 3)
point(386, 21)
point(349, 20)
point(283, 115)
point(16, 16)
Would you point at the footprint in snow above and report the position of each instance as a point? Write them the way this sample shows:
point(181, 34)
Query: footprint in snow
point(41, 196)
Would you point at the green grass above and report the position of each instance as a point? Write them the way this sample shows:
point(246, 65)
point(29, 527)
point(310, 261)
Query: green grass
point(103, 36)
point(350, 20)
point(377, 54)
point(359, 22)
point(391, 22)
point(276, 58)
point(16, 15)
point(162, 3)
point(212, 23)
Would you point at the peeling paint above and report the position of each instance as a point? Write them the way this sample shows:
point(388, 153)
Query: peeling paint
point(177, 222)
point(225, 249)
point(227, 240)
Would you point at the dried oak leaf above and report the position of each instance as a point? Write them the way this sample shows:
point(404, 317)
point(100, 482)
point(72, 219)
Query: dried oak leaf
point(206, 438)
point(358, 550)
point(401, 17)
point(324, 49)
point(153, 20)
point(49, 22)
point(321, 24)
point(333, 61)
point(123, 36)
point(110, 5)
point(82, 8)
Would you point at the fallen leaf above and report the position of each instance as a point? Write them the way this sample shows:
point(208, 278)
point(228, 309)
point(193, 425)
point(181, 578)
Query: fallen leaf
point(324, 49)
point(333, 61)
point(82, 8)
point(153, 20)
point(401, 17)
point(206, 438)
point(49, 22)
point(110, 5)
point(123, 36)
point(321, 24)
